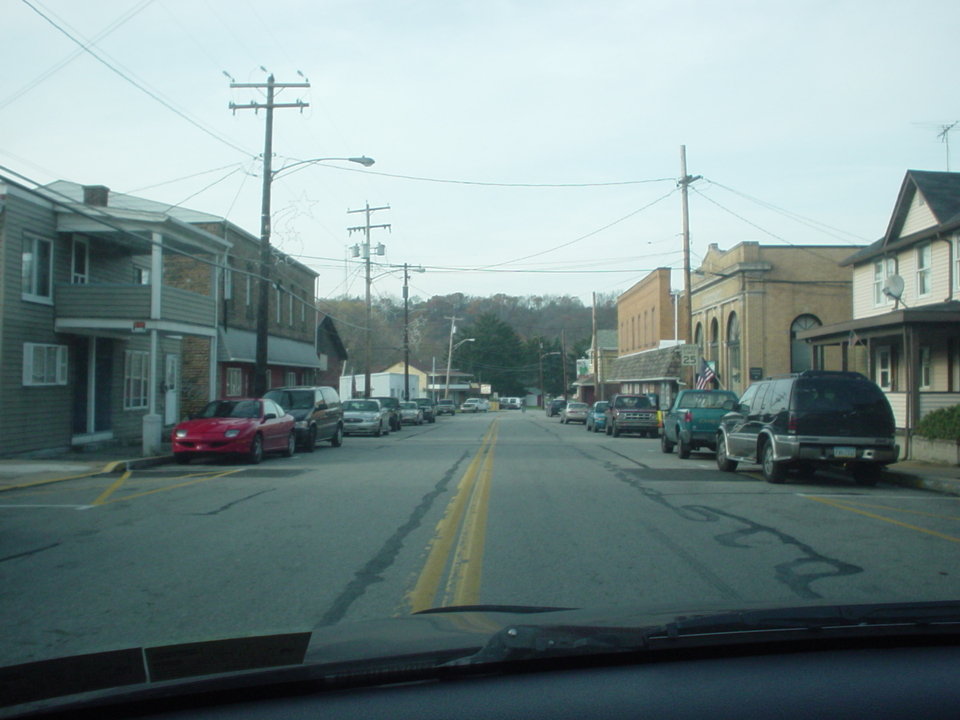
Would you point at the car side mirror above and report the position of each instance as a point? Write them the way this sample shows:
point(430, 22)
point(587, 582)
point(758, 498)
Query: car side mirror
point(270, 416)
point(743, 409)
point(729, 405)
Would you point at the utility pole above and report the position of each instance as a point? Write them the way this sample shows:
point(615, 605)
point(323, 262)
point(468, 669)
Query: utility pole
point(593, 342)
point(263, 301)
point(364, 250)
point(683, 182)
point(406, 333)
point(563, 359)
point(453, 329)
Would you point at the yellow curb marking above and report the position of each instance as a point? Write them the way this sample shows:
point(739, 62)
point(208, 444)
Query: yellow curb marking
point(898, 523)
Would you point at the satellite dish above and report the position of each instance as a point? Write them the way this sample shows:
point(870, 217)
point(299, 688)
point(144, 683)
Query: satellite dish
point(893, 287)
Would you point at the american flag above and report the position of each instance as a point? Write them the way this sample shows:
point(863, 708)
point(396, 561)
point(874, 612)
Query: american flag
point(706, 375)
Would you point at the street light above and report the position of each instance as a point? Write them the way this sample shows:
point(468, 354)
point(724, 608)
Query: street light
point(263, 302)
point(446, 392)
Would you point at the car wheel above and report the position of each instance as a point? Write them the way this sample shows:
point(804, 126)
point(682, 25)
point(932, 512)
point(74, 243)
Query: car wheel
point(773, 472)
point(291, 445)
point(337, 439)
point(866, 475)
point(379, 430)
point(724, 464)
point(256, 450)
point(683, 448)
point(665, 445)
point(311, 439)
point(181, 458)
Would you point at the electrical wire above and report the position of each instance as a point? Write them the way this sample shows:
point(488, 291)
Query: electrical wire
point(86, 48)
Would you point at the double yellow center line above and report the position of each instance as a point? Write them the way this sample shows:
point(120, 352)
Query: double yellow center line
point(456, 549)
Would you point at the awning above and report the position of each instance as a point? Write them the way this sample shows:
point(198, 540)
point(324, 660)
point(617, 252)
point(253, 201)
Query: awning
point(241, 346)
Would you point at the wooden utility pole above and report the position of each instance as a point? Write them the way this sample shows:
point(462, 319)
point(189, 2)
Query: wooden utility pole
point(263, 301)
point(365, 253)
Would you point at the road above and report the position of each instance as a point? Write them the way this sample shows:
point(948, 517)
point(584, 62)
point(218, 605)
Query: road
point(504, 508)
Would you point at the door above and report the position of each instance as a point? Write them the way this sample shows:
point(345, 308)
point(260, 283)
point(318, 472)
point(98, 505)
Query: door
point(171, 389)
point(92, 360)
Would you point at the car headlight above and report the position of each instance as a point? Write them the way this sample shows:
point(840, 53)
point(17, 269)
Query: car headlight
point(180, 433)
point(231, 433)
point(300, 424)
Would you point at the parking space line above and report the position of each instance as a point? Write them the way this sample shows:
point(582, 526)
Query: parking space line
point(112, 489)
point(195, 481)
point(843, 506)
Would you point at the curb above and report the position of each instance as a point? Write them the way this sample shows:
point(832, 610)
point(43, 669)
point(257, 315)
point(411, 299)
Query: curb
point(946, 486)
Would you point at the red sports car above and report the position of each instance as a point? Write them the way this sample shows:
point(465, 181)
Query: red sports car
point(247, 427)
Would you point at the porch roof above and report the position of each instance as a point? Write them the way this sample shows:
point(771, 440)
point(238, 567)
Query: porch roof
point(241, 346)
point(944, 313)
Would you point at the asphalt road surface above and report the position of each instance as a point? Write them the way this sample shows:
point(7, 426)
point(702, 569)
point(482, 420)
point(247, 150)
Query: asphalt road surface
point(504, 508)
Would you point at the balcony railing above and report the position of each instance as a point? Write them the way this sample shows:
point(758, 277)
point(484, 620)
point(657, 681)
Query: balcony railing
point(131, 302)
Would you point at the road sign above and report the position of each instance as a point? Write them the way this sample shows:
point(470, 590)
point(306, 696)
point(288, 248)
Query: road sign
point(689, 355)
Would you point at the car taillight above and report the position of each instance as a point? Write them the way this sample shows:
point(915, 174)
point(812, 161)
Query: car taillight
point(688, 416)
point(792, 423)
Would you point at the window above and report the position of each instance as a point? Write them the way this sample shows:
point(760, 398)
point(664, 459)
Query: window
point(956, 261)
point(698, 338)
point(249, 291)
point(278, 306)
point(882, 269)
point(925, 378)
point(800, 355)
point(234, 382)
point(44, 364)
point(924, 257)
point(79, 272)
point(714, 339)
point(37, 268)
point(290, 307)
point(290, 378)
point(733, 349)
point(883, 374)
point(227, 284)
point(136, 378)
point(141, 276)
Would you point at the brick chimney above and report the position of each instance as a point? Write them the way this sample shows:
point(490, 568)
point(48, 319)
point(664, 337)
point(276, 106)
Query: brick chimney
point(96, 195)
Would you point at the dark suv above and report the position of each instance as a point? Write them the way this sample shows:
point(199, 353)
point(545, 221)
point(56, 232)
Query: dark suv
point(317, 413)
point(555, 406)
point(429, 408)
point(393, 405)
point(809, 420)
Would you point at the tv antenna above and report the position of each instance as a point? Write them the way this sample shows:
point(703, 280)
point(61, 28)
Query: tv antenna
point(943, 135)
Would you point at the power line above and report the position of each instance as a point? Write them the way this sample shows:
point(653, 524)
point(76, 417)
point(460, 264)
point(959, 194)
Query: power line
point(86, 48)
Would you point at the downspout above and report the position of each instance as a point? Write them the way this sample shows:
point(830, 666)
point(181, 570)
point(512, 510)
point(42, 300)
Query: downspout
point(152, 422)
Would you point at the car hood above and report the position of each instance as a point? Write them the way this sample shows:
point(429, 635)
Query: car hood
point(216, 424)
point(443, 639)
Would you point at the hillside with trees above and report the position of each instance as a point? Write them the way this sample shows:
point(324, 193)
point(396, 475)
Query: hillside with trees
point(511, 333)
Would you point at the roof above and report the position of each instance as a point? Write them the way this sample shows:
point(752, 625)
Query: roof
point(938, 314)
point(650, 365)
point(940, 191)
point(607, 339)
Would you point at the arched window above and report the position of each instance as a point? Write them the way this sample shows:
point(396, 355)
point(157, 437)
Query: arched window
point(714, 340)
point(698, 337)
point(733, 350)
point(800, 354)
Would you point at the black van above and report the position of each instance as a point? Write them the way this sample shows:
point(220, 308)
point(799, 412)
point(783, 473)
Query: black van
point(317, 413)
point(806, 420)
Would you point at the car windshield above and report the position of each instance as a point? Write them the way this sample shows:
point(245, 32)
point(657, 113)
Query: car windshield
point(231, 409)
point(318, 315)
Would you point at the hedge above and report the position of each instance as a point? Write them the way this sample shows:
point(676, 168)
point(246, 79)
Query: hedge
point(942, 424)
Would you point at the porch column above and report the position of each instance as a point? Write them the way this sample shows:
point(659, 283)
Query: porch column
point(152, 421)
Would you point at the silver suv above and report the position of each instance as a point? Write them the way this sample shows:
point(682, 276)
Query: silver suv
point(809, 420)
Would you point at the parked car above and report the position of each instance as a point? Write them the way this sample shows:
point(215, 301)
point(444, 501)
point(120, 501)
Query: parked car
point(365, 417)
point(511, 403)
point(246, 427)
point(446, 407)
point(596, 420)
point(392, 404)
point(429, 408)
point(555, 406)
point(808, 420)
point(470, 405)
point(410, 413)
point(632, 413)
point(483, 405)
point(691, 422)
point(317, 414)
point(574, 412)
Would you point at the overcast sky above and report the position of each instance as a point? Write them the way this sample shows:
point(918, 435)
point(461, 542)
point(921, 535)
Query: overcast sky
point(801, 116)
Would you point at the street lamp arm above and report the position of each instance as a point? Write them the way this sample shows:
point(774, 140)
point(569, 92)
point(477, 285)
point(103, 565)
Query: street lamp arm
point(362, 160)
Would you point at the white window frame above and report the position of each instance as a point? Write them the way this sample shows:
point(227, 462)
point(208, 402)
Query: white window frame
point(279, 307)
point(80, 277)
point(924, 270)
point(290, 379)
point(141, 275)
point(136, 380)
point(924, 371)
point(882, 269)
point(227, 283)
point(44, 364)
point(249, 291)
point(884, 367)
point(956, 261)
point(30, 269)
point(234, 382)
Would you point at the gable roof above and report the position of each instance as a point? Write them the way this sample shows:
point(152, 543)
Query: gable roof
point(648, 365)
point(940, 192)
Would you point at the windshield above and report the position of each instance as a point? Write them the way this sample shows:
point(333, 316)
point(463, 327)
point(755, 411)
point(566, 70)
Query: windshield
point(231, 409)
point(242, 242)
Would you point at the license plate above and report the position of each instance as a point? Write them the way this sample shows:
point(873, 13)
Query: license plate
point(845, 452)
